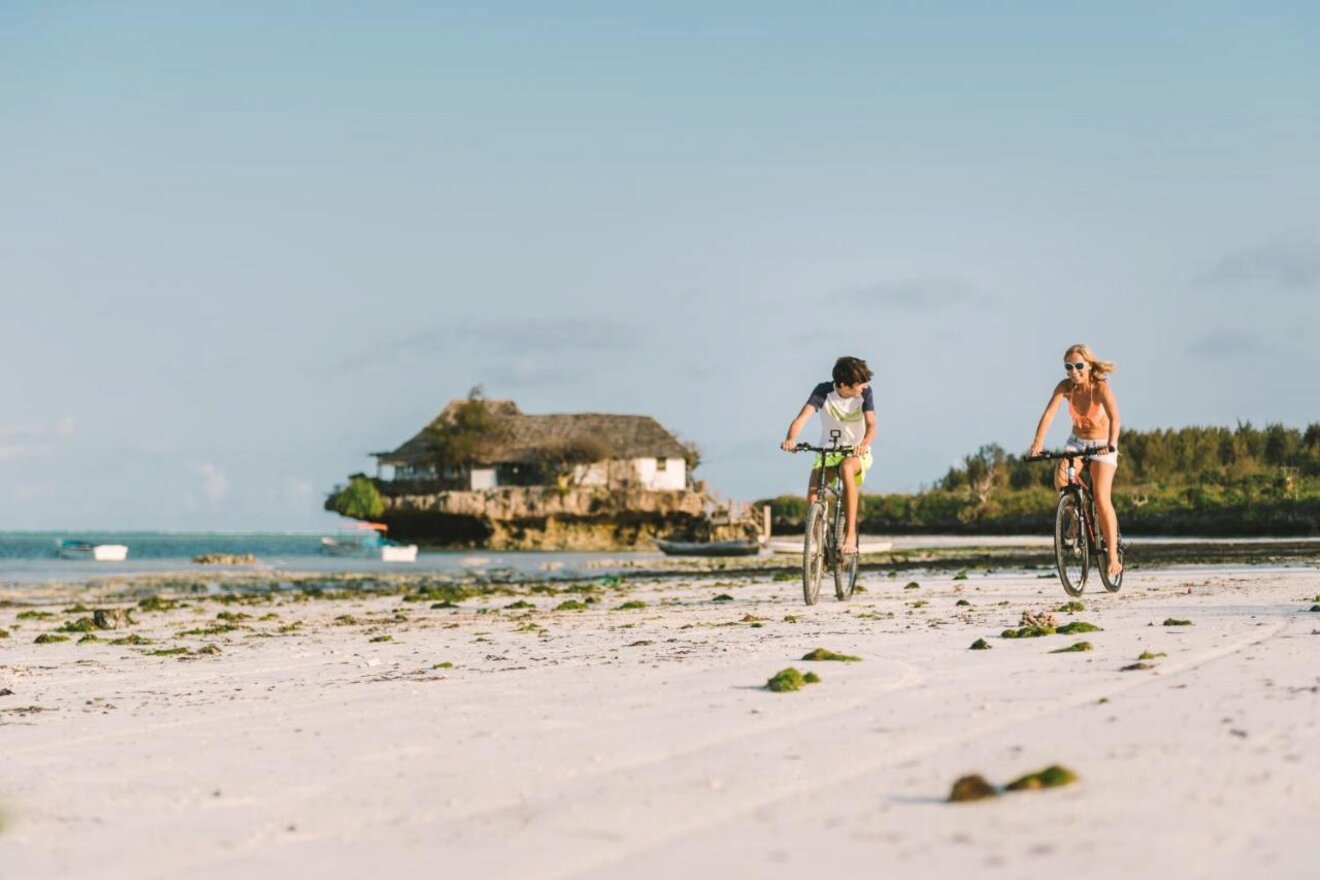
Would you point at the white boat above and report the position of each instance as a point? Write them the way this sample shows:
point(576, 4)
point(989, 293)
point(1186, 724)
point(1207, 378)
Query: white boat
point(368, 541)
point(67, 548)
point(794, 545)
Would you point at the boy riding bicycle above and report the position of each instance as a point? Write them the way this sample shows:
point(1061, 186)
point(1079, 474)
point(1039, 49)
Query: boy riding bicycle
point(846, 406)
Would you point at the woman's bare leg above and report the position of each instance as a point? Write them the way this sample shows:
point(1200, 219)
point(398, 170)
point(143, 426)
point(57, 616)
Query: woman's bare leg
point(1102, 484)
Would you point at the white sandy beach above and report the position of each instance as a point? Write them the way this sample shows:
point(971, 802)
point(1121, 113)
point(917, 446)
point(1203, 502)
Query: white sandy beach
point(642, 743)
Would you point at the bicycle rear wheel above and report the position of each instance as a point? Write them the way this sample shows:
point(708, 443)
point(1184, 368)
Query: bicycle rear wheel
point(1071, 551)
point(1113, 585)
point(813, 553)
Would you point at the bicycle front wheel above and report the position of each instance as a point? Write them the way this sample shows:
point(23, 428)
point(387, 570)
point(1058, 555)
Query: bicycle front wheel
point(1114, 584)
point(813, 553)
point(1071, 552)
point(845, 576)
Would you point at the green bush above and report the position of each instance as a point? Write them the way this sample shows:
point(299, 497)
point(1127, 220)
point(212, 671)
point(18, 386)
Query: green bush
point(360, 499)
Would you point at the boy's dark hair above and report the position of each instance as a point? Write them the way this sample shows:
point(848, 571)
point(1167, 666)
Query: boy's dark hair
point(851, 371)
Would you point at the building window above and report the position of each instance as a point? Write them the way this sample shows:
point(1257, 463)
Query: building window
point(661, 464)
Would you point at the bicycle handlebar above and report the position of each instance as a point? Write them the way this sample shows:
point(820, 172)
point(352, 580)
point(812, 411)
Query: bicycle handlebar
point(807, 447)
point(1086, 454)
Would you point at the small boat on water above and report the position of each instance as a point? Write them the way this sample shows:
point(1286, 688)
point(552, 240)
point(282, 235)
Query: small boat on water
point(68, 548)
point(367, 540)
point(741, 547)
point(794, 545)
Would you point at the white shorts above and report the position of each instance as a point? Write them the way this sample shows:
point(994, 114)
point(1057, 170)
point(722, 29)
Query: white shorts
point(1109, 458)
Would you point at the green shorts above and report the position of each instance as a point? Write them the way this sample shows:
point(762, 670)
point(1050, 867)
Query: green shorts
point(834, 459)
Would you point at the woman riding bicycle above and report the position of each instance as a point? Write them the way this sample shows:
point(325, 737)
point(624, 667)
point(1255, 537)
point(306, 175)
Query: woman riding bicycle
point(1095, 424)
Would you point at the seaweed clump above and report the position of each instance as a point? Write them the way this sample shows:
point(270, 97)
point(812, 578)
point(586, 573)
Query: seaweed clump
point(48, 638)
point(1080, 646)
point(1070, 607)
point(1053, 776)
point(790, 679)
point(571, 605)
point(631, 605)
point(972, 788)
point(1078, 626)
point(1028, 632)
point(1149, 655)
point(826, 654)
point(980, 645)
point(1173, 621)
point(722, 597)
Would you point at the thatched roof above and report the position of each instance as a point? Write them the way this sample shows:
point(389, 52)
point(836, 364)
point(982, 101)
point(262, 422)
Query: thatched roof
point(525, 436)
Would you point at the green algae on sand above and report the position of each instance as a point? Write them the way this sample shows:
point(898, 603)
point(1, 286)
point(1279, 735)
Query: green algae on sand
point(980, 645)
point(972, 787)
point(790, 679)
point(1173, 621)
point(1078, 626)
point(1079, 646)
point(631, 605)
point(1053, 776)
point(826, 654)
point(49, 638)
point(1028, 632)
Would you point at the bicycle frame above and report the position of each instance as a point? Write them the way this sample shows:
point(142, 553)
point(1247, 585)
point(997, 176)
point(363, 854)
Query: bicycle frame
point(1083, 501)
point(825, 550)
point(829, 490)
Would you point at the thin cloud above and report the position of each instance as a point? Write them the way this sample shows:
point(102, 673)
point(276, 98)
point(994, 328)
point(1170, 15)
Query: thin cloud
point(1226, 344)
point(21, 444)
point(921, 295)
point(1290, 265)
point(215, 482)
point(514, 337)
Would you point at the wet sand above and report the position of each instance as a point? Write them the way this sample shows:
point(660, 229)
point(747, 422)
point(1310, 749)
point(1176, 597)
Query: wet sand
point(641, 742)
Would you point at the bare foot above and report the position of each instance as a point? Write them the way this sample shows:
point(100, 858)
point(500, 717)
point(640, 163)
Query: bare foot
point(850, 547)
point(1115, 569)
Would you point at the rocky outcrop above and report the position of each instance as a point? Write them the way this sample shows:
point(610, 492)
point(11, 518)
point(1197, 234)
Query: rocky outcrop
point(545, 518)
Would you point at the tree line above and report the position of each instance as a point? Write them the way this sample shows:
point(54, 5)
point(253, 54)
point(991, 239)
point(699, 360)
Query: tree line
point(1195, 480)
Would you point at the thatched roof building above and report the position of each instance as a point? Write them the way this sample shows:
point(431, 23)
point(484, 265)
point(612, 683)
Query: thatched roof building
point(513, 453)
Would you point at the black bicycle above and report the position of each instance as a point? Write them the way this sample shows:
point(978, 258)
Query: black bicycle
point(1076, 538)
point(822, 547)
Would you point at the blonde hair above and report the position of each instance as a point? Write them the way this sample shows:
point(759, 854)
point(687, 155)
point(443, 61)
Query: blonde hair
point(1100, 369)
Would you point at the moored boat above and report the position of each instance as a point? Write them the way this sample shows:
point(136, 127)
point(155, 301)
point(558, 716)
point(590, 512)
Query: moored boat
point(68, 548)
point(367, 540)
point(740, 547)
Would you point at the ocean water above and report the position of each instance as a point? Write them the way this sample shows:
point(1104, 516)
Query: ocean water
point(29, 557)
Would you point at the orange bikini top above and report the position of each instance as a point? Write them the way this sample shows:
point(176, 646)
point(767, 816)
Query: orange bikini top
point(1084, 422)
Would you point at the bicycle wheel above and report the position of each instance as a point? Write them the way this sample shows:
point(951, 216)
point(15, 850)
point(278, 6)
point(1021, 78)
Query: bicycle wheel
point(845, 576)
point(813, 553)
point(1071, 552)
point(1115, 584)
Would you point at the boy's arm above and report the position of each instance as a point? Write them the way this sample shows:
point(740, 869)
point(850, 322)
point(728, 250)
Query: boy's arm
point(869, 438)
point(795, 428)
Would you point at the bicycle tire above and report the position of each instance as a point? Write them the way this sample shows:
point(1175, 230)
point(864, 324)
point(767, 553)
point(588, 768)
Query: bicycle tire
point(845, 576)
point(813, 553)
point(1072, 553)
point(1102, 563)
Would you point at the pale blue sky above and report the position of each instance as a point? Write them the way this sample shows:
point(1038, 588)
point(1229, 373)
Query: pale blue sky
point(240, 249)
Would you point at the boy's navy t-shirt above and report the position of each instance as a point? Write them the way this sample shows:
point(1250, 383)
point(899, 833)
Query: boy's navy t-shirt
point(843, 414)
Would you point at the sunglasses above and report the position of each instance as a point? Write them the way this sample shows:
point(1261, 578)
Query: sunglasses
point(1079, 366)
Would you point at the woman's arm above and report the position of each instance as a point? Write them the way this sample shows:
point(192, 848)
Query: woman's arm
point(1046, 419)
point(790, 439)
point(1111, 406)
